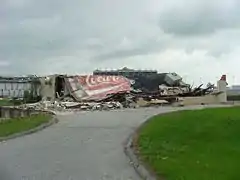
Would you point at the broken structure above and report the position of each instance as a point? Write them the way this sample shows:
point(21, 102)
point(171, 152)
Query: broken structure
point(92, 92)
point(145, 80)
point(83, 88)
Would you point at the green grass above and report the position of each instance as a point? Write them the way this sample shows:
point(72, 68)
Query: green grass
point(22, 124)
point(6, 102)
point(193, 145)
point(10, 102)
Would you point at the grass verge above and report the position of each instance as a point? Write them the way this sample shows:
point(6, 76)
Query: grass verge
point(6, 102)
point(192, 144)
point(18, 125)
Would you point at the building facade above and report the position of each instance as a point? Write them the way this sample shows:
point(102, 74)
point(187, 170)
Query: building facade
point(126, 72)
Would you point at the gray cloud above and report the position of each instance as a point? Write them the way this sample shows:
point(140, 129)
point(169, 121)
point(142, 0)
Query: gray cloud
point(200, 17)
point(78, 36)
point(119, 54)
point(144, 47)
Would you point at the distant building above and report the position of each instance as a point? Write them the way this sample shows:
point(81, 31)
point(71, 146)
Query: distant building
point(233, 90)
point(236, 87)
point(126, 72)
point(16, 86)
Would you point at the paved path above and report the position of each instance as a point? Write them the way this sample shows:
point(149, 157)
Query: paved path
point(82, 146)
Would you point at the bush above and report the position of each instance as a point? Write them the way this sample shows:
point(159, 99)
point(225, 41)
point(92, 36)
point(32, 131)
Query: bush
point(30, 97)
point(16, 101)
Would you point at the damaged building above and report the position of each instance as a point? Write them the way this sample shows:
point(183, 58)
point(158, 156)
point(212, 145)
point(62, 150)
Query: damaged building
point(103, 83)
point(146, 80)
point(120, 89)
point(82, 87)
point(100, 90)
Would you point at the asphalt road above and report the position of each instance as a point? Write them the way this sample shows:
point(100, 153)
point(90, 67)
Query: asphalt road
point(82, 146)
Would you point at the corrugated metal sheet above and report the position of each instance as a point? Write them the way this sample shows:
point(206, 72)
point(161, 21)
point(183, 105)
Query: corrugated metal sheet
point(94, 87)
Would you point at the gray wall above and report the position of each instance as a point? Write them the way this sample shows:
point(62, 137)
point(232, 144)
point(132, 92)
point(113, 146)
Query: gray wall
point(8, 89)
point(6, 113)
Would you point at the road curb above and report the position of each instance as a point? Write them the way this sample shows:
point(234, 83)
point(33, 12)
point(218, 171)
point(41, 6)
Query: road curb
point(129, 150)
point(134, 161)
point(53, 120)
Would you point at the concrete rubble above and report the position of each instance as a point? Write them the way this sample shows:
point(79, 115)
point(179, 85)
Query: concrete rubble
point(65, 106)
point(115, 101)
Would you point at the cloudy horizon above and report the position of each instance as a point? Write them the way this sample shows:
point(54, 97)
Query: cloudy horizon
point(199, 40)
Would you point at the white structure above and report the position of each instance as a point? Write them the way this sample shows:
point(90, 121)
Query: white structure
point(222, 89)
point(217, 97)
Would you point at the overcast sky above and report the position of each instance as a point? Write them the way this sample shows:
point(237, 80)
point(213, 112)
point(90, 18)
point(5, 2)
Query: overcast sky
point(198, 39)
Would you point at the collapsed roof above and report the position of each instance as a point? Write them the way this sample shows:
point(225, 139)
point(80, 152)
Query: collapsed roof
point(151, 83)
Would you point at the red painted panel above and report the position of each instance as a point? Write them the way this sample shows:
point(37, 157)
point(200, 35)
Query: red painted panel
point(94, 87)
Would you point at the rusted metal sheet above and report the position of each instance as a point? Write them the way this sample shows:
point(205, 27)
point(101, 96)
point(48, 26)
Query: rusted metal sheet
point(95, 87)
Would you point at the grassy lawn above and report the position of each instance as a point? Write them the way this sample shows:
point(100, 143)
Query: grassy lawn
point(6, 102)
point(22, 124)
point(193, 145)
